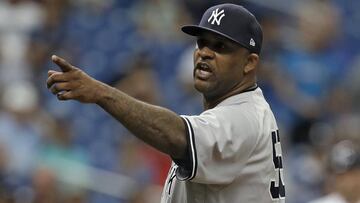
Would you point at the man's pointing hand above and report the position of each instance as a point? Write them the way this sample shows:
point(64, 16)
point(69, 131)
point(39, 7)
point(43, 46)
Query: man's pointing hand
point(73, 83)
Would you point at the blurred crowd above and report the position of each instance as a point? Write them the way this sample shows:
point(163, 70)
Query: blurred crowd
point(52, 151)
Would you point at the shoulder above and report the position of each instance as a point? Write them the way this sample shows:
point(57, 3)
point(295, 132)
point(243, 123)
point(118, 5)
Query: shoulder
point(245, 111)
point(245, 105)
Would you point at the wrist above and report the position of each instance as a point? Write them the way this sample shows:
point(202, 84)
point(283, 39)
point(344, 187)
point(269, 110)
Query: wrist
point(104, 94)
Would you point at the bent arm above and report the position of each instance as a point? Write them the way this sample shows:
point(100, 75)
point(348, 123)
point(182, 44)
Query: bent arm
point(157, 126)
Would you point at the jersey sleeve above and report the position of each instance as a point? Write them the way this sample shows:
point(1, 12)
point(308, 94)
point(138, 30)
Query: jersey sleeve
point(219, 144)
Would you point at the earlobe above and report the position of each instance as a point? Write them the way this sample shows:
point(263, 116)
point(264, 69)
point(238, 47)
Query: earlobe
point(252, 61)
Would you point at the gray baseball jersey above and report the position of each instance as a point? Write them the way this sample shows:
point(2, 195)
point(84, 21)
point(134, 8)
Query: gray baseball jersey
point(234, 155)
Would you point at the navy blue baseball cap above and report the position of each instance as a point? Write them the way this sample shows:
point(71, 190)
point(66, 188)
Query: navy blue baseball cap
point(233, 22)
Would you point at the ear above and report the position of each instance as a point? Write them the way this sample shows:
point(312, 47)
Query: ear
point(251, 63)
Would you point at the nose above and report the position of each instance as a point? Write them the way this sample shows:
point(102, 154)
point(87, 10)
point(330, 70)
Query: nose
point(206, 53)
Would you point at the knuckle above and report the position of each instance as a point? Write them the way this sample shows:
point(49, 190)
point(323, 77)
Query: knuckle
point(49, 83)
point(62, 96)
point(53, 78)
point(54, 87)
point(49, 80)
point(75, 70)
point(53, 90)
point(54, 75)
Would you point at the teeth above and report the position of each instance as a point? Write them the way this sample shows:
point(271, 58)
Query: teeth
point(204, 66)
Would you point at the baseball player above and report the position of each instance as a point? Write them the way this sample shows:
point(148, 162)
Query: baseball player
point(229, 153)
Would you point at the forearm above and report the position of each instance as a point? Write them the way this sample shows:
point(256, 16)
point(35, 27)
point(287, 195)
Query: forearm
point(157, 126)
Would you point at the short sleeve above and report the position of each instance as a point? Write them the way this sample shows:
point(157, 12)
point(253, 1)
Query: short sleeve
point(220, 142)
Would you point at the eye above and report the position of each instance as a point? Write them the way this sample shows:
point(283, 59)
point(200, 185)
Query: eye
point(219, 46)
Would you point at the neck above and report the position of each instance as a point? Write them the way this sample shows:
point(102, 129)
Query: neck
point(211, 103)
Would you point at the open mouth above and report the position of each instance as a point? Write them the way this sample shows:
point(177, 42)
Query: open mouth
point(203, 67)
point(203, 71)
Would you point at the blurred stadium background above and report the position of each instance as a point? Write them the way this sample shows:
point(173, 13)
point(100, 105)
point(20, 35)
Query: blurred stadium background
point(53, 151)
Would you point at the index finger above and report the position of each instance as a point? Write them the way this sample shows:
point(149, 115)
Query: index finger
point(62, 63)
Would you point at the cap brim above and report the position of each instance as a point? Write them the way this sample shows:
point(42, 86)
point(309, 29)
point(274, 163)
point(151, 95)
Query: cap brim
point(195, 30)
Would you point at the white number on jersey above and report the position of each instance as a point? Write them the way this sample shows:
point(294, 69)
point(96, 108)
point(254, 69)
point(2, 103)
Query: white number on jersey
point(277, 187)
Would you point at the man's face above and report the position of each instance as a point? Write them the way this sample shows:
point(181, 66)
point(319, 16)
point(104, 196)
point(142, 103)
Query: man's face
point(218, 65)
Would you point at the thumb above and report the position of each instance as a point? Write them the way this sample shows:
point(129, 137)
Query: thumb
point(62, 63)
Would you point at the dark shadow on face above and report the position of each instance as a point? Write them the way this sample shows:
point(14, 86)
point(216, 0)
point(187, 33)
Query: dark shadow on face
point(218, 66)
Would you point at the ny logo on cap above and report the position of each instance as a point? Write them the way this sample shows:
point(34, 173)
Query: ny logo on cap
point(252, 42)
point(216, 16)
